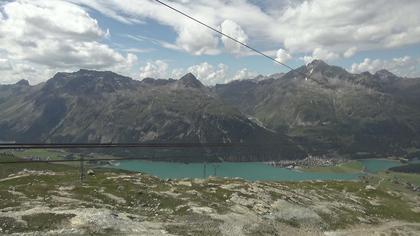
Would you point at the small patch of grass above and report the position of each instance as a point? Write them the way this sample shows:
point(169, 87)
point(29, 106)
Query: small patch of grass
point(36, 222)
point(46, 221)
point(10, 225)
point(292, 222)
point(340, 220)
point(214, 199)
point(196, 225)
point(8, 199)
point(41, 153)
point(392, 208)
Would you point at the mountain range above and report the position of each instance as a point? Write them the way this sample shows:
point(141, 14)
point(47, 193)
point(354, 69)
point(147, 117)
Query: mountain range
point(328, 109)
point(316, 109)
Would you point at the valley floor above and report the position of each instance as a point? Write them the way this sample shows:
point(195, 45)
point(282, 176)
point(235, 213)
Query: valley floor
point(46, 199)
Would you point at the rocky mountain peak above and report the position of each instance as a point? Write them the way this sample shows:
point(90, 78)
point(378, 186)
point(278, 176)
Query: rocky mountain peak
point(260, 78)
point(320, 66)
point(99, 75)
point(23, 82)
point(385, 74)
point(366, 74)
point(320, 70)
point(89, 81)
point(190, 81)
point(317, 64)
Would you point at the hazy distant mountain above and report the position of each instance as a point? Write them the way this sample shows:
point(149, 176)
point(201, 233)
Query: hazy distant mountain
point(328, 109)
point(92, 106)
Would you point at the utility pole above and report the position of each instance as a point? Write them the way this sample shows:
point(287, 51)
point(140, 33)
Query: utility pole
point(82, 170)
point(215, 166)
point(204, 169)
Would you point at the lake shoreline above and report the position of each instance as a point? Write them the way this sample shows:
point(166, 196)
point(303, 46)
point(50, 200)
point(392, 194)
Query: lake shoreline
point(252, 171)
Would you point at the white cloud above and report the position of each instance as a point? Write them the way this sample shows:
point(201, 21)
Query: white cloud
point(11, 72)
point(5, 64)
point(197, 40)
point(337, 26)
point(283, 56)
point(210, 75)
point(234, 30)
point(156, 69)
point(177, 73)
point(244, 74)
point(402, 66)
point(350, 52)
point(192, 37)
point(55, 35)
point(321, 54)
point(207, 73)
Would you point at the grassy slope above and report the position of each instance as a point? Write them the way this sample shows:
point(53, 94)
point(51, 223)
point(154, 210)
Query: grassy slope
point(42, 153)
point(147, 197)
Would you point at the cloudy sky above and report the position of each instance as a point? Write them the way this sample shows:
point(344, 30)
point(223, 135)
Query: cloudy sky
point(141, 38)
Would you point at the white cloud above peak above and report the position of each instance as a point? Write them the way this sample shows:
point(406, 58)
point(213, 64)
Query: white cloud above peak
point(207, 73)
point(402, 66)
point(321, 54)
point(157, 69)
point(210, 75)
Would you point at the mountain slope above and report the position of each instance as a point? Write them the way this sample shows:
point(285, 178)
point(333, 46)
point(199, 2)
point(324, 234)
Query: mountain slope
point(91, 106)
point(323, 108)
point(331, 109)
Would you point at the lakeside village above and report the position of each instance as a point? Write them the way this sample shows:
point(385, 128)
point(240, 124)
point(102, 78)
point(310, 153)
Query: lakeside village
point(309, 161)
point(317, 161)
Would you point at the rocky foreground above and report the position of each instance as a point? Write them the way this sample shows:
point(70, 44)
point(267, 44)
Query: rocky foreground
point(45, 199)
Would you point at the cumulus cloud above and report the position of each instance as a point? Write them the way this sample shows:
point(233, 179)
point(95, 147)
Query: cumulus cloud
point(220, 74)
point(11, 72)
point(402, 66)
point(156, 69)
point(350, 52)
point(4, 64)
point(234, 30)
point(56, 35)
point(337, 26)
point(244, 74)
point(209, 74)
point(321, 54)
point(283, 56)
point(177, 73)
point(197, 40)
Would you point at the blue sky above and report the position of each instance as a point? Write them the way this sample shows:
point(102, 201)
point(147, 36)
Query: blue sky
point(141, 38)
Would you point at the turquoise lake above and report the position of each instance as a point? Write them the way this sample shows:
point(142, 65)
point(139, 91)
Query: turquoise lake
point(375, 165)
point(247, 170)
